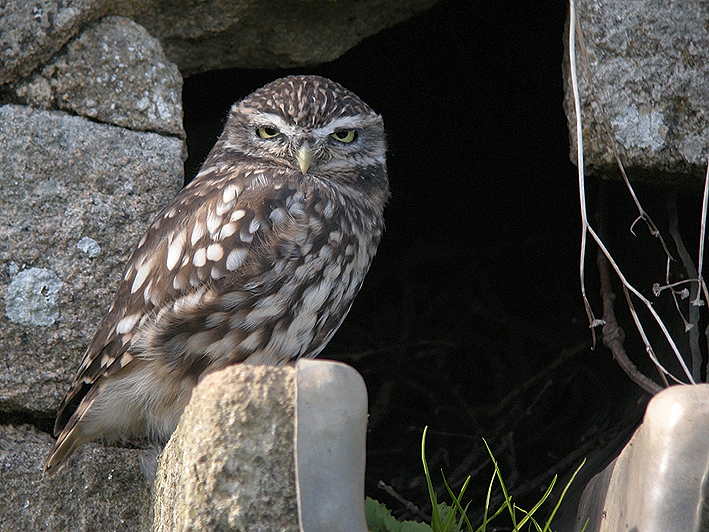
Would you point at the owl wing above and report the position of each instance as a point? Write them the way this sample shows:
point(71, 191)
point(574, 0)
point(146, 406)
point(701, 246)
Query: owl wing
point(207, 231)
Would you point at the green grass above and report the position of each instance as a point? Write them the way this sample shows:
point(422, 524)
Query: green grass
point(453, 517)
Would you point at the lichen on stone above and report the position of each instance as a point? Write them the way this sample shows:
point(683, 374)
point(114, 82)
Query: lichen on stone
point(31, 298)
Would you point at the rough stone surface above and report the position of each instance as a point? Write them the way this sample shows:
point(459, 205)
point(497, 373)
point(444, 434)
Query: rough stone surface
point(649, 61)
point(230, 463)
point(113, 72)
point(63, 179)
point(200, 36)
point(100, 488)
point(31, 32)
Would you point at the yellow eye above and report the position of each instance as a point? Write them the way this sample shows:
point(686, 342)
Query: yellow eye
point(267, 132)
point(345, 135)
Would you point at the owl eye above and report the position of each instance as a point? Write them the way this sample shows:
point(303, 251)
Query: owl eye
point(266, 132)
point(345, 135)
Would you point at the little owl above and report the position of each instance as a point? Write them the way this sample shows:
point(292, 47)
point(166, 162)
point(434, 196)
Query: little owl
point(257, 260)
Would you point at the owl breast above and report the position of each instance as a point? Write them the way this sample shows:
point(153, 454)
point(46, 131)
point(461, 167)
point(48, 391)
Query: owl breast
point(271, 286)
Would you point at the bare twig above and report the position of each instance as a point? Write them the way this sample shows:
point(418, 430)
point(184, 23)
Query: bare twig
point(690, 324)
point(702, 240)
point(614, 335)
point(628, 287)
point(642, 215)
point(593, 322)
point(648, 346)
point(410, 506)
point(588, 230)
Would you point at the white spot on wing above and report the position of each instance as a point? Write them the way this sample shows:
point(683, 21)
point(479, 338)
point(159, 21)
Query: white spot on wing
point(147, 291)
point(197, 233)
point(216, 272)
point(215, 252)
point(278, 216)
point(227, 230)
point(223, 208)
point(235, 258)
point(129, 271)
point(245, 235)
point(237, 215)
point(140, 276)
point(213, 222)
point(174, 252)
point(230, 193)
point(200, 257)
point(126, 324)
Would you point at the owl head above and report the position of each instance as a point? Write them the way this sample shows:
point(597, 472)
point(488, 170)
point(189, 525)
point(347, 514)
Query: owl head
point(309, 124)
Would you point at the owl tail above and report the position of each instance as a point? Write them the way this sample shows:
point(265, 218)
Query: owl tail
point(70, 437)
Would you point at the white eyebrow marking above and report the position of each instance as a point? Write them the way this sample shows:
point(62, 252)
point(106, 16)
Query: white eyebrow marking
point(269, 119)
point(343, 122)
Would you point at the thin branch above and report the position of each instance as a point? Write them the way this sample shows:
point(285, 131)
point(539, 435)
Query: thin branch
point(648, 346)
point(702, 240)
point(614, 335)
point(642, 215)
point(627, 286)
point(410, 506)
point(593, 322)
point(587, 229)
point(657, 289)
point(703, 231)
point(691, 324)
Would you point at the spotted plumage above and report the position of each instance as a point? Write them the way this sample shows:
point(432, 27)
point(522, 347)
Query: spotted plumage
point(257, 260)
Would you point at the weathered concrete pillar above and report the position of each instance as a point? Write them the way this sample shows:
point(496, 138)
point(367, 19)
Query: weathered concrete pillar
point(659, 481)
point(267, 448)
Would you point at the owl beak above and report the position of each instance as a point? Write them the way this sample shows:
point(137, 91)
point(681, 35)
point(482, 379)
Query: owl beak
point(305, 157)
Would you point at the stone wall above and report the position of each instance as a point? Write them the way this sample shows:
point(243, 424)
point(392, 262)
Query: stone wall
point(91, 147)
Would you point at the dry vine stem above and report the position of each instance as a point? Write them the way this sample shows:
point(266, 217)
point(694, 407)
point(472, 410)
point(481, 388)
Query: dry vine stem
point(587, 230)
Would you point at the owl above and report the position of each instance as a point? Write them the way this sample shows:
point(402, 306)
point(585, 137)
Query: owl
point(256, 261)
